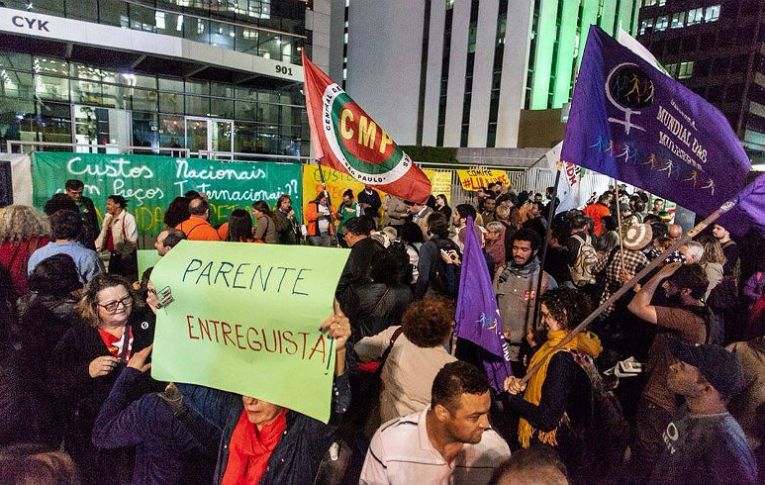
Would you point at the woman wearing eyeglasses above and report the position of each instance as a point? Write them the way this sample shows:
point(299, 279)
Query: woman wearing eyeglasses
point(113, 326)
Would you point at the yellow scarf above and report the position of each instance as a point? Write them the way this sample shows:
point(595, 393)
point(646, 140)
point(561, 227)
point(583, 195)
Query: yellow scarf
point(585, 342)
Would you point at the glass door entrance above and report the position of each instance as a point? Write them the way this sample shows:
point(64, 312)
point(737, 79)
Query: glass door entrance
point(212, 135)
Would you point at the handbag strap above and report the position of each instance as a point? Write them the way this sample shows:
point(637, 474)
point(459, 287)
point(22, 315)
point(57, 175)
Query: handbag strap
point(385, 354)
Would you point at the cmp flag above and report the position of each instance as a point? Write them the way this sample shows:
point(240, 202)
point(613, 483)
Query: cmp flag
point(477, 316)
point(630, 121)
point(347, 139)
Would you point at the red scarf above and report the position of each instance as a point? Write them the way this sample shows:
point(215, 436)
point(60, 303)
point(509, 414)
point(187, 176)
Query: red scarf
point(250, 449)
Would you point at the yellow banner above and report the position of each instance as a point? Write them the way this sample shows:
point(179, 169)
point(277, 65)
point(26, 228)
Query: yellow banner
point(337, 183)
point(440, 180)
point(473, 179)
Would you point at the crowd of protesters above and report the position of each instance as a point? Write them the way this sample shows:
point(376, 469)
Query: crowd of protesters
point(667, 385)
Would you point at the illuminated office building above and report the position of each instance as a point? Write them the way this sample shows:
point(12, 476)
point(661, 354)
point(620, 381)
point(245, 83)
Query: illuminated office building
point(717, 49)
point(460, 73)
point(222, 76)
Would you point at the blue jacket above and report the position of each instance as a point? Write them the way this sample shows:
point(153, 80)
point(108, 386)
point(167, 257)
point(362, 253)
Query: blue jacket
point(166, 451)
point(296, 458)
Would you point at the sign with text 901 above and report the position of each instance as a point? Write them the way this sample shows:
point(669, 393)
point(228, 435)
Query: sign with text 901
point(283, 70)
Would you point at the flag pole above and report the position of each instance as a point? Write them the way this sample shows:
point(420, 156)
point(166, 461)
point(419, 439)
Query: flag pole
point(323, 183)
point(543, 258)
point(635, 279)
point(619, 224)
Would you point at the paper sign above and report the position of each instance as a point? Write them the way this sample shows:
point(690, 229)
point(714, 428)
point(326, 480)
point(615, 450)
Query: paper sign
point(440, 181)
point(245, 319)
point(473, 179)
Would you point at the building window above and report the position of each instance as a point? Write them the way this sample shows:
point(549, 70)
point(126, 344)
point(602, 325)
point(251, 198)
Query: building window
point(712, 14)
point(649, 3)
point(678, 20)
point(645, 25)
point(662, 3)
point(695, 16)
point(662, 23)
point(686, 70)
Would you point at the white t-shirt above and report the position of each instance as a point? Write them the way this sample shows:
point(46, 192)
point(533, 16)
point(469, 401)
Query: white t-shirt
point(401, 453)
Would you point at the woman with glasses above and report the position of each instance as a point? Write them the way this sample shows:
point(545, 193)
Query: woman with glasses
point(111, 327)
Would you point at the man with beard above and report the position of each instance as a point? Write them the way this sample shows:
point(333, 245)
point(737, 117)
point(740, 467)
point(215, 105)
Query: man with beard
point(487, 214)
point(516, 287)
point(450, 441)
point(684, 318)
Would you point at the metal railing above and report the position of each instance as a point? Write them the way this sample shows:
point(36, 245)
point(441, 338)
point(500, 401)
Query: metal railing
point(25, 147)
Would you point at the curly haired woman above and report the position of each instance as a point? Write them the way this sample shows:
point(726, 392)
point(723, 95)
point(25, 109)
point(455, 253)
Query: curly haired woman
point(23, 230)
point(556, 407)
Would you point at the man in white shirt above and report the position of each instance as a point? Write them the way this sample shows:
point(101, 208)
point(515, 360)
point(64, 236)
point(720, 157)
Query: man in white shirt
point(449, 442)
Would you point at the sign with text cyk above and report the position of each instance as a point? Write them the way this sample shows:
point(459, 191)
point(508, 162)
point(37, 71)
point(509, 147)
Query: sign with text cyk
point(632, 122)
point(245, 319)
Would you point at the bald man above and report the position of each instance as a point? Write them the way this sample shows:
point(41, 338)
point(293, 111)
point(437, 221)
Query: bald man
point(675, 231)
point(197, 227)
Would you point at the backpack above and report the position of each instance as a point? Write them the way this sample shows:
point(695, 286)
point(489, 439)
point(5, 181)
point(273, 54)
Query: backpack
point(586, 258)
point(440, 282)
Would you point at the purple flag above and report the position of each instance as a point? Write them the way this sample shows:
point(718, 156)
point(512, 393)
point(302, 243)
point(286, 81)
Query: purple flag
point(749, 212)
point(477, 318)
point(630, 121)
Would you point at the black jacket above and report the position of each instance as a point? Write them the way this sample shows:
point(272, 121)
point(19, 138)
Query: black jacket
point(373, 307)
point(81, 396)
point(373, 200)
point(286, 229)
point(296, 458)
point(356, 270)
point(90, 228)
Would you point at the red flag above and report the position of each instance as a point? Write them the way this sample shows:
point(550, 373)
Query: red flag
point(347, 139)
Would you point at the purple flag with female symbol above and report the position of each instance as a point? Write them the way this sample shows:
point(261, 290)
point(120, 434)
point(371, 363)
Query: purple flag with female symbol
point(477, 319)
point(632, 122)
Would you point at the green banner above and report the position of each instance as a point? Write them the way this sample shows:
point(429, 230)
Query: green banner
point(151, 182)
point(245, 318)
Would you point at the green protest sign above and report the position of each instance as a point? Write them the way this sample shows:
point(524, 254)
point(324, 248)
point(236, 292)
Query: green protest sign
point(151, 182)
point(245, 318)
point(146, 259)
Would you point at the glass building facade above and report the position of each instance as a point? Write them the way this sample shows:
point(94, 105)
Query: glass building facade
point(48, 98)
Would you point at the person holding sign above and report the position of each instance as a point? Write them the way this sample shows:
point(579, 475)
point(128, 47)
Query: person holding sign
point(265, 443)
point(119, 236)
point(321, 227)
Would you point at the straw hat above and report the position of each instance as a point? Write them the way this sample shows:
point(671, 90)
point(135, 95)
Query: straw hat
point(638, 236)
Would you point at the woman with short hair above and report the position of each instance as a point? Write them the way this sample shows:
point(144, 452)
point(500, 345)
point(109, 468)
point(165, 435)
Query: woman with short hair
point(111, 327)
point(419, 347)
point(556, 406)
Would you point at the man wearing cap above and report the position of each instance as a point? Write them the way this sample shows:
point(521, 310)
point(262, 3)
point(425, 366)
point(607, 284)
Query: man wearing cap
point(703, 443)
point(684, 317)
